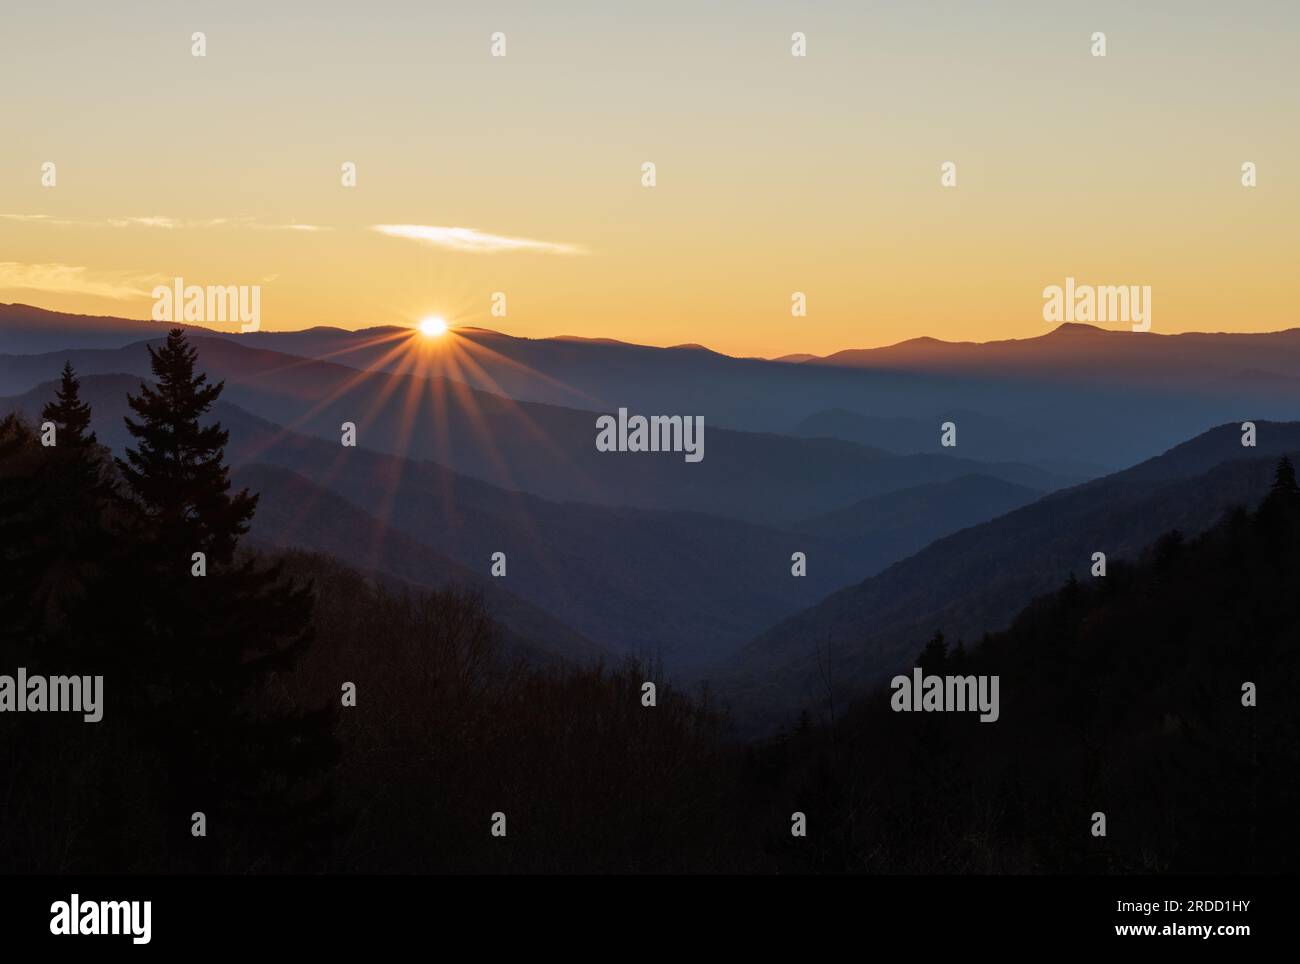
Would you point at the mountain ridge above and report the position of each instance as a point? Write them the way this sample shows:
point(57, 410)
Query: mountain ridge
point(974, 581)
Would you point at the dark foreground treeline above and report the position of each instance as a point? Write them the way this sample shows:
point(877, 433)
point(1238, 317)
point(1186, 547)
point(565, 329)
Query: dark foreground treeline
point(223, 695)
point(1122, 697)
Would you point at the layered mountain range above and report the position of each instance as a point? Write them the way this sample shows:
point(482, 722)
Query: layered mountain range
point(1075, 442)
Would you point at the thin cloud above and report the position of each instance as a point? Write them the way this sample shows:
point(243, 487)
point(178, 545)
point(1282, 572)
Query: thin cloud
point(143, 222)
point(292, 227)
point(74, 279)
point(150, 221)
point(470, 240)
point(38, 219)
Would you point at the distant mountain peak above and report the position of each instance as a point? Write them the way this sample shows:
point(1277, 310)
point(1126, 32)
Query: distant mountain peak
point(575, 339)
point(476, 330)
point(1077, 328)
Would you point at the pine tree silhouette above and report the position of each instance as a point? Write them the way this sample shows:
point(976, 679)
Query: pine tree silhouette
point(176, 473)
point(1284, 477)
point(68, 412)
point(75, 494)
point(51, 496)
point(22, 525)
point(205, 643)
point(53, 552)
point(934, 658)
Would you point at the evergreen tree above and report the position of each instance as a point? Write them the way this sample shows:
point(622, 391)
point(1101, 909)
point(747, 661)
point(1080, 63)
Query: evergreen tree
point(51, 497)
point(75, 495)
point(68, 412)
point(934, 657)
point(22, 572)
point(21, 555)
point(1284, 478)
point(52, 549)
point(209, 634)
point(176, 473)
point(1278, 511)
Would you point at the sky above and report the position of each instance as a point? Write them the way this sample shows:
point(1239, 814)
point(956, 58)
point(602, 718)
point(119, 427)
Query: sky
point(775, 174)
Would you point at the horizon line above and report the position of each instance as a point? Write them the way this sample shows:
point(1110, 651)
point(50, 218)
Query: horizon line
point(1066, 326)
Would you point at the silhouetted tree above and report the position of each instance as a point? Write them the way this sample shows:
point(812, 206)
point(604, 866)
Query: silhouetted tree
point(208, 631)
point(176, 472)
point(935, 655)
point(75, 494)
point(52, 553)
point(22, 516)
point(68, 412)
point(1284, 477)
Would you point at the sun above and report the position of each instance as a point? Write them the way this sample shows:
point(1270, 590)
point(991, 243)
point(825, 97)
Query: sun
point(433, 326)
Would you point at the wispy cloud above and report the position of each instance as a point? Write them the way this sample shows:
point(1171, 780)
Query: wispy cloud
point(38, 219)
point(149, 222)
point(143, 222)
point(74, 279)
point(292, 227)
point(158, 221)
point(468, 239)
